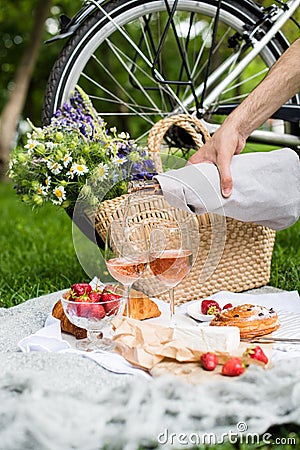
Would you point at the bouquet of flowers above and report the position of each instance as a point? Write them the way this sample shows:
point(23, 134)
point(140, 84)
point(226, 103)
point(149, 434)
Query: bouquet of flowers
point(76, 154)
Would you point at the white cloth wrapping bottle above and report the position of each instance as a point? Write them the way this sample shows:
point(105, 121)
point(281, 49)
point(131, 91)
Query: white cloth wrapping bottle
point(266, 188)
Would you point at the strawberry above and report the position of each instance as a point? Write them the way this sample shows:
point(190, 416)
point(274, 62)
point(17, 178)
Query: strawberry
point(81, 289)
point(83, 306)
point(227, 306)
point(209, 361)
point(69, 295)
point(95, 296)
point(88, 308)
point(96, 311)
point(233, 367)
point(256, 353)
point(111, 300)
point(210, 307)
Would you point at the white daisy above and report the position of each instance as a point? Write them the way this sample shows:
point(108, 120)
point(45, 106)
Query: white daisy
point(48, 181)
point(67, 159)
point(101, 171)
point(118, 160)
point(54, 167)
point(70, 174)
point(60, 194)
point(42, 190)
point(123, 135)
point(79, 169)
point(31, 144)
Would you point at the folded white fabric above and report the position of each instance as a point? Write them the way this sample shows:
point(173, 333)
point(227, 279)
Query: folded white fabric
point(266, 188)
point(49, 339)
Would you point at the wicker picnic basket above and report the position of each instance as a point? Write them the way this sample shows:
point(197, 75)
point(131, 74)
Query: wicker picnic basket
point(246, 258)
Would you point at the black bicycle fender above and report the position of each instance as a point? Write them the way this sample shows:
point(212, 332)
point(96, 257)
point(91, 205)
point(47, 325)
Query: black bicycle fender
point(69, 26)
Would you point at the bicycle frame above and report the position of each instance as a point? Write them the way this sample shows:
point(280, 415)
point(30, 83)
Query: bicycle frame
point(279, 17)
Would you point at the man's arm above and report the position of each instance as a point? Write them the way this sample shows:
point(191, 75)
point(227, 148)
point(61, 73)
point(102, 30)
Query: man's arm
point(281, 83)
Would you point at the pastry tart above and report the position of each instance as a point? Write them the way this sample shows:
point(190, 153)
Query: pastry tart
point(252, 320)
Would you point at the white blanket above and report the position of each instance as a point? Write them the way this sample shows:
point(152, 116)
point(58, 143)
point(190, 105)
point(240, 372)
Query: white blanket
point(54, 401)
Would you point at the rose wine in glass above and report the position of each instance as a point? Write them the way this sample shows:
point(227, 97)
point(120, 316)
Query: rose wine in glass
point(170, 256)
point(126, 254)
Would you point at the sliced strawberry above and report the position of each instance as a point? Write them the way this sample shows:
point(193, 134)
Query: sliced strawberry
point(95, 296)
point(256, 353)
point(210, 307)
point(233, 367)
point(81, 289)
point(227, 306)
point(209, 361)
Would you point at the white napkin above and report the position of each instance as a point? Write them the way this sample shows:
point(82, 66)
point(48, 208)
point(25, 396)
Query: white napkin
point(49, 339)
point(266, 188)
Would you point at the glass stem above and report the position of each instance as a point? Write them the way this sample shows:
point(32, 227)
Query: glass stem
point(172, 304)
point(127, 302)
point(94, 335)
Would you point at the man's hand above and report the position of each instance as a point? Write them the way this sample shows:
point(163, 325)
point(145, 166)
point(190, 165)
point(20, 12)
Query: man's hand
point(219, 150)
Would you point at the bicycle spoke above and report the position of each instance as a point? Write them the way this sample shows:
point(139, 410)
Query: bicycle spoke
point(136, 60)
point(113, 96)
point(141, 54)
point(140, 86)
point(241, 83)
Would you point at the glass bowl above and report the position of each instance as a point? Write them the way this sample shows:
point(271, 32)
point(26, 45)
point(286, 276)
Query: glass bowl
point(95, 317)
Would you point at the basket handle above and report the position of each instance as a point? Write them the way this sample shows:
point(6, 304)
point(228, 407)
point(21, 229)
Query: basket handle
point(190, 124)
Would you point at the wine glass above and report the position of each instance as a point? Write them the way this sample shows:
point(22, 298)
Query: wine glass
point(126, 253)
point(95, 317)
point(170, 256)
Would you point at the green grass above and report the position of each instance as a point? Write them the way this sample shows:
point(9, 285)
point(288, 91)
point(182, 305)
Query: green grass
point(37, 254)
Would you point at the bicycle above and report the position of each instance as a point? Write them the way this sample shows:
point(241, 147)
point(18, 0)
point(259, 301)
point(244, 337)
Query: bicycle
point(140, 61)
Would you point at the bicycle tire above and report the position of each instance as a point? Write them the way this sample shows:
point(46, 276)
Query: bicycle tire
point(92, 37)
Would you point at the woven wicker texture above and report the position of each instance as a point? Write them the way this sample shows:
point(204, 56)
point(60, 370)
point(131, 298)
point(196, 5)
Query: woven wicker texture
point(246, 258)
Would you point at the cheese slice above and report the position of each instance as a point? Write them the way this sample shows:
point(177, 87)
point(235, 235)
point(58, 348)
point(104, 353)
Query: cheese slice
point(209, 339)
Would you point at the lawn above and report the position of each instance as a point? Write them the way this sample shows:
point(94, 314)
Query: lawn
point(37, 253)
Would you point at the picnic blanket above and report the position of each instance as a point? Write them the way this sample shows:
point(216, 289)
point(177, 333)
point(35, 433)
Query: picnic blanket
point(59, 401)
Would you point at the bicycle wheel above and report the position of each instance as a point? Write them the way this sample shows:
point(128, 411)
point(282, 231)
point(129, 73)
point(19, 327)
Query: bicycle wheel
point(137, 69)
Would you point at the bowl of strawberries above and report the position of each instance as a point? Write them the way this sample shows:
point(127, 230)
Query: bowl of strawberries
point(94, 309)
